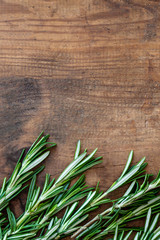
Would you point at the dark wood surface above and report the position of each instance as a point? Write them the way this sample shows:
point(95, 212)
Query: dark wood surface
point(86, 70)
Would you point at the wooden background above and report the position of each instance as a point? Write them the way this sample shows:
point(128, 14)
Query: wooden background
point(80, 69)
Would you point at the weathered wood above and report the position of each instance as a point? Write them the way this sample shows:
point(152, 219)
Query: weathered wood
point(86, 70)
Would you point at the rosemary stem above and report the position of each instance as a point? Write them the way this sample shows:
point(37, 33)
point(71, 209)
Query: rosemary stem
point(84, 227)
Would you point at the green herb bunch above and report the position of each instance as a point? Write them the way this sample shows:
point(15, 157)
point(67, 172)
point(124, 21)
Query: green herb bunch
point(55, 195)
point(73, 217)
point(133, 205)
point(75, 200)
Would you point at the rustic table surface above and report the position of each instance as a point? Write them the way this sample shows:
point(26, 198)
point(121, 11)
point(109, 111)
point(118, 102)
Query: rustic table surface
point(80, 69)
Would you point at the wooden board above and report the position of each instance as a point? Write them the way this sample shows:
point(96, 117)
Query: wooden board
point(80, 69)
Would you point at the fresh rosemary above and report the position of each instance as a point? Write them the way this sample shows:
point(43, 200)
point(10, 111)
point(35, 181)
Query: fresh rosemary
point(73, 217)
point(40, 221)
point(55, 195)
point(136, 202)
point(24, 170)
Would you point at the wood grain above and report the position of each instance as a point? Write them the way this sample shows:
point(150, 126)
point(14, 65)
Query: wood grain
point(78, 69)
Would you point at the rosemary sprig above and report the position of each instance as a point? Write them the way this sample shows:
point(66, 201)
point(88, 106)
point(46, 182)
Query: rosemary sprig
point(16, 228)
point(55, 194)
point(129, 174)
point(72, 218)
point(24, 169)
point(137, 209)
point(137, 213)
